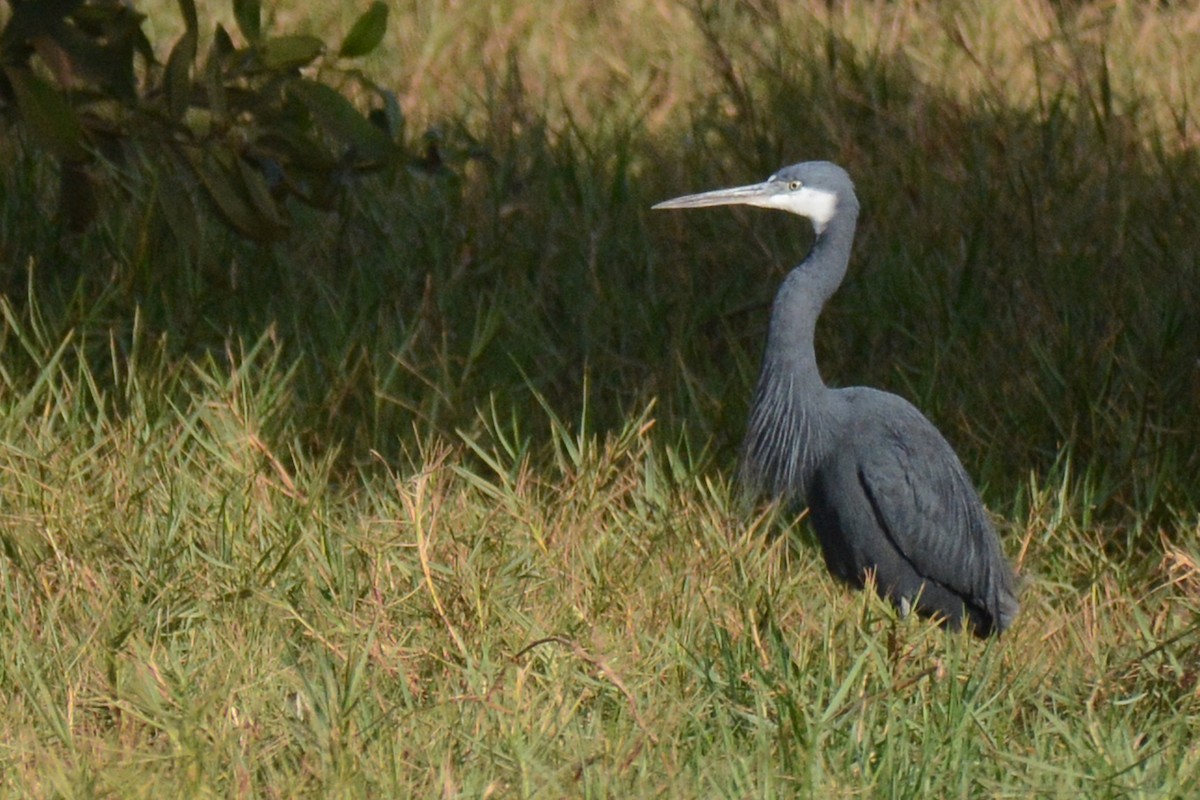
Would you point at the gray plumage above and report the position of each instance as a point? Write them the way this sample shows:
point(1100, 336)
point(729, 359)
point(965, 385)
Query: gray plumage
point(886, 492)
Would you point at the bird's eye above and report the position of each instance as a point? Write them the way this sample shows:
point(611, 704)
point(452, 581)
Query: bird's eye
point(794, 185)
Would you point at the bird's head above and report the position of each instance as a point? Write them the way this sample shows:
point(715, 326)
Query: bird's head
point(812, 189)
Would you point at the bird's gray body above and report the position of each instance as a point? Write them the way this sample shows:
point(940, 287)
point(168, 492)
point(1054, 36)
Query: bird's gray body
point(886, 493)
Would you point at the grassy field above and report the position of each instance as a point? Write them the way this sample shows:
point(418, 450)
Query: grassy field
point(435, 497)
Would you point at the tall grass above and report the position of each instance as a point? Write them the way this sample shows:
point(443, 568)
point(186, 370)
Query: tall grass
point(433, 498)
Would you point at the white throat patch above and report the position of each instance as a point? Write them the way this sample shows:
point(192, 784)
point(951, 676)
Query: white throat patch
point(814, 204)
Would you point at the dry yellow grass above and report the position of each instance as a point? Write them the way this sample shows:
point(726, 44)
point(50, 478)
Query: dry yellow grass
point(323, 530)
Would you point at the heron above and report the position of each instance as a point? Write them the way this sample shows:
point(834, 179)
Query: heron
point(886, 494)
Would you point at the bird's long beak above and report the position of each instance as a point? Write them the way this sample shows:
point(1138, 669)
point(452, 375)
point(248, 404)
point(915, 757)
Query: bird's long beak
point(753, 195)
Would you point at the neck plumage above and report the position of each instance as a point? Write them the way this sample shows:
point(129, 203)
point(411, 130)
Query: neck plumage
point(784, 438)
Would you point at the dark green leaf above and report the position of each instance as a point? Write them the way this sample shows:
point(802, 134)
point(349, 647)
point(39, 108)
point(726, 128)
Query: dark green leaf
point(392, 114)
point(259, 192)
point(222, 42)
point(233, 205)
point(285, 52)
point(190, 20)
point(226, 185)
point(214, 90)
point(340, 120)
point(49, 118)
point(178, 75)
point(249, 18)
point(214, 84)
point(141, 43)
point(367, 32)
point(290, 144)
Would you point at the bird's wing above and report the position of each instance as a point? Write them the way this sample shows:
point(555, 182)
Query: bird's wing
point(929, 510)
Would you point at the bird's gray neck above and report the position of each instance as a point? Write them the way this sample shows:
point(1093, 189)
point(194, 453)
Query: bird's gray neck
point(786, 438)
point(800, 299)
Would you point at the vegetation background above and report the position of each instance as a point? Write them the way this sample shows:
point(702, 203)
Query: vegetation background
point(432, 496)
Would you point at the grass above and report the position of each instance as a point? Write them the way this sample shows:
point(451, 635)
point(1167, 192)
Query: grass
point(434, 497)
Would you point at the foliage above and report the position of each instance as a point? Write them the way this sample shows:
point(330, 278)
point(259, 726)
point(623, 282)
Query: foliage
point(432, 496)
point(254, 123)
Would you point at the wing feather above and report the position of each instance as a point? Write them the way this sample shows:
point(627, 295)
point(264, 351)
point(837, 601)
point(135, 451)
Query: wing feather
point(930, 511)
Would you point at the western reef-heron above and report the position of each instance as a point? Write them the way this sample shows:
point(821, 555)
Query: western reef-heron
point(885, 491)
